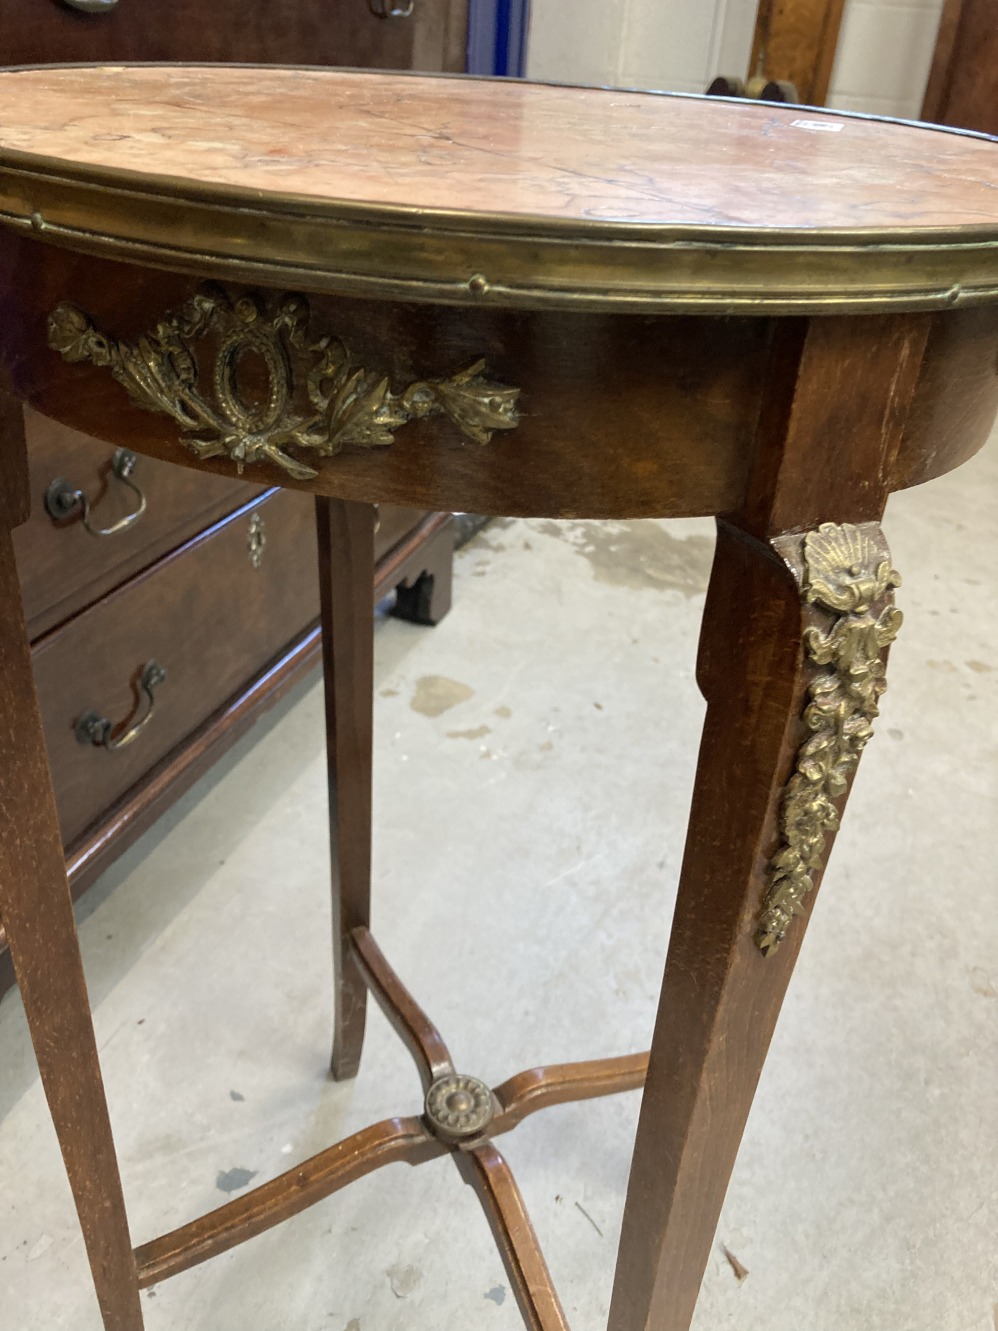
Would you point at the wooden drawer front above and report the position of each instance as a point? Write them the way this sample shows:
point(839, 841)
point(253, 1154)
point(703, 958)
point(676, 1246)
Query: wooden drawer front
point(393, 524)
point(62, 566)
point(339, 32)
point(206, 615)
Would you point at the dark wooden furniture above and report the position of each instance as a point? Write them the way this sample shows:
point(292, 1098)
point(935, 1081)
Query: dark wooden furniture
point(795, 42)
point(963, 82)
point(99, 608)
point(518, 300)
point(432, 35)
point(793, 52)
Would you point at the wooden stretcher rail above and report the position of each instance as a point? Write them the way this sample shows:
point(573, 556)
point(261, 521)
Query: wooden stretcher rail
point(411, 1141)
point(385, 1143)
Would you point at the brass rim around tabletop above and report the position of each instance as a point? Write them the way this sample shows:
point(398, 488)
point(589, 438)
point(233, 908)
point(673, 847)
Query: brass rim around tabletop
point(318, 399)
point(473, 259)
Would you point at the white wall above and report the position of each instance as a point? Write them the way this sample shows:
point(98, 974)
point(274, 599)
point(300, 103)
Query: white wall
point(883, 56)
point(674, 44)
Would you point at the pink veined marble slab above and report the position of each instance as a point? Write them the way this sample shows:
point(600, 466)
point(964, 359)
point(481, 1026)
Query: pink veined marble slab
point(503, 148)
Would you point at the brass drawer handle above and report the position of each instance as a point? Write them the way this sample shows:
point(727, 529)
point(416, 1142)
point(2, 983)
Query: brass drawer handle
point(92, 728)
point(62, 500)
point(91, 6)
point(391, 8)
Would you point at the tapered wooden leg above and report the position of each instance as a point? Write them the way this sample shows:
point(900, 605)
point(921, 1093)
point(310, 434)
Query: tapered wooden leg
point(38, 917)
point(346, 576)
point(721, 995)
point(798, 617)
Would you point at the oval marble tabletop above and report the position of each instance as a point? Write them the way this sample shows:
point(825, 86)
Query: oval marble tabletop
point(500, 192)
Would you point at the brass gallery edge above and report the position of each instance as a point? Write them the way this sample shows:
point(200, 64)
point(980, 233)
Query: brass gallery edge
point(316, 398)
point(230, 233)
point(847, 573)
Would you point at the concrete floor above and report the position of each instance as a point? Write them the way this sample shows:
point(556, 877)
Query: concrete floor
point(536, 753)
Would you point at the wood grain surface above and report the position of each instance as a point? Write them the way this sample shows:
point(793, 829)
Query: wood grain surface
point(323, 32)
point(776, 424)
point(63, 568)
point(720, 996)
point(795, 40)
point(419, 565)
point(223, 611)
point(963, 82)
point(345, 544)
point(37, 914)
point(621, 415)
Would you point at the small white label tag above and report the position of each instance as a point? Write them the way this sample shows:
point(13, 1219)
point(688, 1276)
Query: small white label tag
point(824, 125)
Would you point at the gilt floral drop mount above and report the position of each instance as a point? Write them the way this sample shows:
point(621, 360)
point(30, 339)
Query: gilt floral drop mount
point(849, 581)
point(316, 399)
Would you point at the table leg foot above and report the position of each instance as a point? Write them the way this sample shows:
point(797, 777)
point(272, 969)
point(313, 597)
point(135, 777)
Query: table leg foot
point(346, 573)
point(427, 599)
point(791, 667)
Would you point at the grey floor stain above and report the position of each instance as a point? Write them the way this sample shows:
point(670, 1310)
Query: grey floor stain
point(231, 1180)
point(504, 712)
point(353, 1324)
point(436, 694)
point(479, 732)
point(235, 1095)
point(980, 982)
point(896, 732)
point(497, 1294)
point(403, 1279)
point(639, 554)
point(483, 538)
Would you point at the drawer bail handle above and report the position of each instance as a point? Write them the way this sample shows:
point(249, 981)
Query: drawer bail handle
point(92, 728)
point(91, 6)
point(62, 499)
point(392, 8)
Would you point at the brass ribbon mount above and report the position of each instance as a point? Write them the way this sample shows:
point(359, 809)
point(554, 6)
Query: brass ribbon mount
point(310, 395)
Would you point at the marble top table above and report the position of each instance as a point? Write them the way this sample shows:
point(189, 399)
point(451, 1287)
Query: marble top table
point(515, 299)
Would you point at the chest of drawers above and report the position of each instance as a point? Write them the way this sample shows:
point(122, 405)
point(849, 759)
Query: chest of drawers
point(159, 587)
